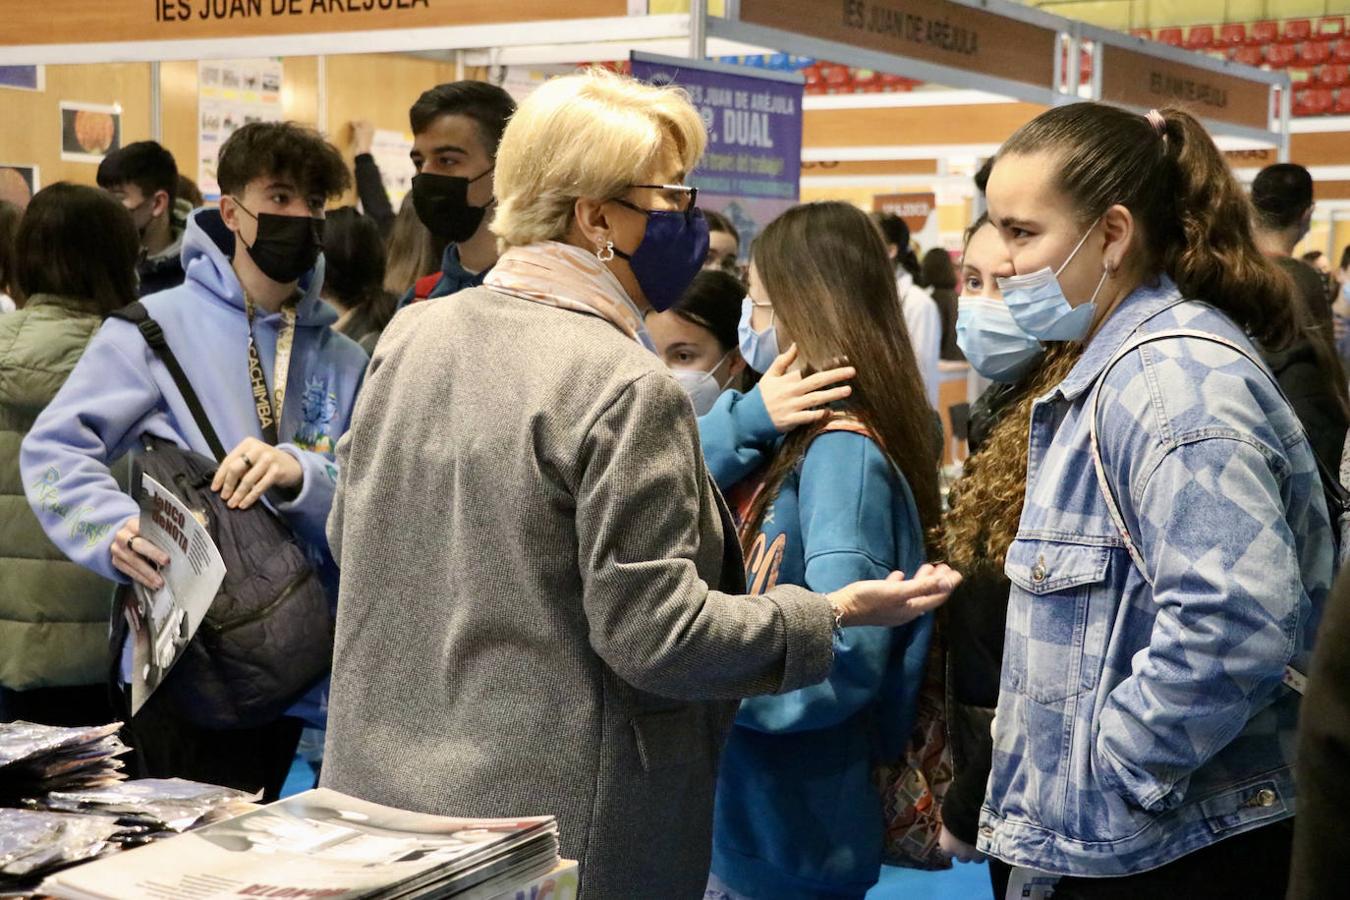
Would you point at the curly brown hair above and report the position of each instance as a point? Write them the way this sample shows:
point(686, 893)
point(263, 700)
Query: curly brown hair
point(986, 504)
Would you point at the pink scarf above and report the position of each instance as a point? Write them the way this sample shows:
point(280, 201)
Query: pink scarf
point(558, 274)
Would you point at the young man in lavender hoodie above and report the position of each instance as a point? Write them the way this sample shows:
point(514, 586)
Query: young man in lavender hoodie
point(248, 310)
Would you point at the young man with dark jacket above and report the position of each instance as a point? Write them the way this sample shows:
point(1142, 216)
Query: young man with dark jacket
point(248, 314)
point(456, 129)
point(144, 177)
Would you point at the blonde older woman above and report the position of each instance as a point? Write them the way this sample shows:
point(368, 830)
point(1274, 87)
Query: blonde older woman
point(529, 539)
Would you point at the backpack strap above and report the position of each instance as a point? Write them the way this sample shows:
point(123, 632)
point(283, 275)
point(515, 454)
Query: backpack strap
point(423, 287)
point(1293, 678)
point(138, 315)
point(845, 423)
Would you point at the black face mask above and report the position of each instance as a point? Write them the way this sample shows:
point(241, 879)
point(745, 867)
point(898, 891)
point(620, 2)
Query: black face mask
point(286, 247)
point(442, 203)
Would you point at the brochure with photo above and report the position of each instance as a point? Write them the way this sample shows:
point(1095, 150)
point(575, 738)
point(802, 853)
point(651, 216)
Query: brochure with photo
point(162, 622)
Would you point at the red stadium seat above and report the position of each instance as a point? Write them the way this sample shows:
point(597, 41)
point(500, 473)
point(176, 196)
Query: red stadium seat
point(1341, 51)
point(1333, 76)
point(1330, 27)
point(1312, 101)
point(1313, 53)
point(1342, 105)
point(1296, 30)
point(1280, 56)
point(837, 78)
point(1170, 36)
point(1266, 32)
point(1248, 56)
point(1200, 37)
point(1232, 34)
point(1144, 33)
point(864, 80)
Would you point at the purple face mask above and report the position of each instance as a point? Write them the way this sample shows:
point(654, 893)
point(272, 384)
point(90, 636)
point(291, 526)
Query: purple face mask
point(671, 253)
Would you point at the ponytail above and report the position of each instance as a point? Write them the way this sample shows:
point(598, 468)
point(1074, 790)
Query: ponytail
point(1194, 218)
point(1216, 258)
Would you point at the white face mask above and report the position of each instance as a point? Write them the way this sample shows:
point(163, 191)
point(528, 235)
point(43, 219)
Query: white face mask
point(702, 387)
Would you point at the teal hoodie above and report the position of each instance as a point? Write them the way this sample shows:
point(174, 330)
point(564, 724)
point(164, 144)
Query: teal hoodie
point(796, 813)
point(120, 391)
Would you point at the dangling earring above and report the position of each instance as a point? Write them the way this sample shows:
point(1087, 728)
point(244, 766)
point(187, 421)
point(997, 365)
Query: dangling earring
point(605, 253)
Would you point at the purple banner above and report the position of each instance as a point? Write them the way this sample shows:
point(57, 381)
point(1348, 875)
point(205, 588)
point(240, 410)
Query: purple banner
point(751, 170)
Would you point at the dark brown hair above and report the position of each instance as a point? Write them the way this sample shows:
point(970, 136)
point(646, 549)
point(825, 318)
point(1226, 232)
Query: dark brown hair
point(10, 215)
point(354, 267)
point(282, 149)
point(489, 106)
point(1193, 217)
point(78, 243)
point(827, 274)
point(718, 222)
point(937, 270)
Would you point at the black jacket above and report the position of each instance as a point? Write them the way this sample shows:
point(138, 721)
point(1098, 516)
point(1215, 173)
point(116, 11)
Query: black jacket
point(374, 198)
point(974, 620)
point(160, 274)
point(1319, 863)
point(1310, 391)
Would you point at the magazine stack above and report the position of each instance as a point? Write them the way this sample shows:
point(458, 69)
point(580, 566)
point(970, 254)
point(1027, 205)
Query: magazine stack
point(38, 759)
point(325, 844)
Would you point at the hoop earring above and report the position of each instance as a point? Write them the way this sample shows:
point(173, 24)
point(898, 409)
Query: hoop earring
point(605, 253)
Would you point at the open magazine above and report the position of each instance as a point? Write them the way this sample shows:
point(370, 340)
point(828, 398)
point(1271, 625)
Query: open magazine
point(325, 844)
point(162, 622)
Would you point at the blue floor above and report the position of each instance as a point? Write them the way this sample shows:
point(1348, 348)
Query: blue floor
point(962, 882)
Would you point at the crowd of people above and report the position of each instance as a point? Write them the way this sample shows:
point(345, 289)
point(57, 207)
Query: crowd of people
point(622, 521)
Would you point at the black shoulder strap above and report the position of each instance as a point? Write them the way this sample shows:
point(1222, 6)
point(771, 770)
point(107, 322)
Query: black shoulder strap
point(137, 315)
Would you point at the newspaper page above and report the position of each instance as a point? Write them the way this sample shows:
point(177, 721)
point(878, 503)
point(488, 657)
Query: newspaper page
point(317, 844)
point(164, 621)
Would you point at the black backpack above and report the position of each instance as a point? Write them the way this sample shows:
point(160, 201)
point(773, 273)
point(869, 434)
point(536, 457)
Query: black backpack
point(268, 636)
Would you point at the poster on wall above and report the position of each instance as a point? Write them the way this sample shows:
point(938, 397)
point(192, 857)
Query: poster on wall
point(232, 93)
point(89, 131)
point(18, 184)
point(913, 208)
point(391, 150)
point(751, 171)
point(23, 78)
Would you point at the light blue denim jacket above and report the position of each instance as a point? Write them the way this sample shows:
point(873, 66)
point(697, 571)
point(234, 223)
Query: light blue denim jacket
point(1138, 724)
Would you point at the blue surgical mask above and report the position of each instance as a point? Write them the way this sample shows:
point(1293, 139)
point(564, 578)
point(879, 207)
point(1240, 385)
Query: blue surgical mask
point(760, 348)
point(670, 255)
point(1037, 302)
point(994, 344)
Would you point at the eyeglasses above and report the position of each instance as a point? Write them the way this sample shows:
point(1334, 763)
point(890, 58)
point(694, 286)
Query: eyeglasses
point(681, 197)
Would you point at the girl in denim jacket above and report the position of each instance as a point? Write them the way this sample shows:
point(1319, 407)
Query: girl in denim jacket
point(1174, 550)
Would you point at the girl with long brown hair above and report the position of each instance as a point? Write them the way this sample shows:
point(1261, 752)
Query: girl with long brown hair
point(1174, 548)
point(848, 495)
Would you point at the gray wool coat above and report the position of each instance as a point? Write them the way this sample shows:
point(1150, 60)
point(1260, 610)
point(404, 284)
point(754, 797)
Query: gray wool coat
point(528, 622)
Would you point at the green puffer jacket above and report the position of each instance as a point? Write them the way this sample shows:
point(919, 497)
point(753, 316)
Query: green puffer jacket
point(53, 613)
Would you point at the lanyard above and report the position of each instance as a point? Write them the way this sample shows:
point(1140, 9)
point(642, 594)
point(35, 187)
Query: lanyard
point(269, 404)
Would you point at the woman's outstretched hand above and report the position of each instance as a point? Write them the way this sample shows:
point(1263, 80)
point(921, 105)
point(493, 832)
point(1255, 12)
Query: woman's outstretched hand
point(897, 600)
